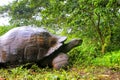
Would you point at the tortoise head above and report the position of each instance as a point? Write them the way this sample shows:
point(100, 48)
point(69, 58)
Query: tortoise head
point(76, 42)
point(70, 45)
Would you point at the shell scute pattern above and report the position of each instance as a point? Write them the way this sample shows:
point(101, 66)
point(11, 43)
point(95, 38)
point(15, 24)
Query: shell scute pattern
point(26, 44)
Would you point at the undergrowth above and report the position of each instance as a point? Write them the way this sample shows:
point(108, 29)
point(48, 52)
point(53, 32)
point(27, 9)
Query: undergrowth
point(110, 59)
point(74, 73)
point(4, 29)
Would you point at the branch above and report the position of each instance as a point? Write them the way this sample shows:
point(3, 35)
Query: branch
point(98, 29)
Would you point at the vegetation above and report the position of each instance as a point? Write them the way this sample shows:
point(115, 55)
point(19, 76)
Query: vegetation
point(75, 73)
point(95, 21)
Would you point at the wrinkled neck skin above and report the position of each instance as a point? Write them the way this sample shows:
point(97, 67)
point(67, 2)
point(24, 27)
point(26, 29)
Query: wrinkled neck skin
point(70, 45)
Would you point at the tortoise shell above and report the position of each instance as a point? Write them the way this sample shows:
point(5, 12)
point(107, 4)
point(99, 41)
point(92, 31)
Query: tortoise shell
point(27, 44)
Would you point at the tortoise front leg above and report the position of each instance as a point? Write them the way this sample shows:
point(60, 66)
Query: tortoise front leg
point(60, 61)
point(57, 61)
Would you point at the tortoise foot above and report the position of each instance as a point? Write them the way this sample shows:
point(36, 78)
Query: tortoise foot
point(60, 61)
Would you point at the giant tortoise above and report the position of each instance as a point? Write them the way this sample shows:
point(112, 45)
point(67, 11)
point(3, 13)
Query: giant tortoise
point(32, 44)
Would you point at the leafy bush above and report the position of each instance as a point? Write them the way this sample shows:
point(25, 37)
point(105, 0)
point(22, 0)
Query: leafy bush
point(111, 59)
point(115, 40)
point(4, 29)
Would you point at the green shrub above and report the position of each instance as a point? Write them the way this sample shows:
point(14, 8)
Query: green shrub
point(4, 29)
point(111, 59)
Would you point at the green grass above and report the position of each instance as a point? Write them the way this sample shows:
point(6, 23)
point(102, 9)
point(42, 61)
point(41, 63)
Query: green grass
point(74, 73)
point(111, 59)
point(4, 29)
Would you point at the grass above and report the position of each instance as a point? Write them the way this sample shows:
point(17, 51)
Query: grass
point(73, 73)
point(111, 59)
point(4, 29)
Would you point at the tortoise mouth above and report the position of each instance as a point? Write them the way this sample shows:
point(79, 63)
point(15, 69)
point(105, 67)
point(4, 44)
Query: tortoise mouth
point(76, 42)
point(80, 41)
